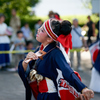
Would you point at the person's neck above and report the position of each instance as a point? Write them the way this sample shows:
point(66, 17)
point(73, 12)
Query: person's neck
point(19, 38)
point(75, 26)
point(45, 44)
point(26, 27)
point(89, 20)
point(14, 16)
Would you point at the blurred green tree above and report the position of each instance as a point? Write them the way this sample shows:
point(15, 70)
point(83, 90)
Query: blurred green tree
point(22, 6)
point(87, 4)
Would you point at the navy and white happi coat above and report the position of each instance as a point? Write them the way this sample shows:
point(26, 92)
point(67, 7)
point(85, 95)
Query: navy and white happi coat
point(54, 67)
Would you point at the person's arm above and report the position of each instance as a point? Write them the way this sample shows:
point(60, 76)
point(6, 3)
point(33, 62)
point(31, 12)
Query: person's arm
point(17, 44)
point(83, 40)
point(84, 43)
point(85, 25)
point(93, 27)
point(70, 76)
point(3, 34)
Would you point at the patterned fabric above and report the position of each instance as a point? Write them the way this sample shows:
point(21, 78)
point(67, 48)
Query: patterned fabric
point(95, 55)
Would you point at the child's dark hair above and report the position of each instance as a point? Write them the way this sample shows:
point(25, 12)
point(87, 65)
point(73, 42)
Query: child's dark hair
point(19, 32)
point(2, 15)
point(29, 42)
point(39, 20)
point(26, 23)
point(61, 28)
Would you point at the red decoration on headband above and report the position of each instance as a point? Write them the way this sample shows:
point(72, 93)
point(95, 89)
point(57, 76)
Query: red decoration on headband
point(66, 41)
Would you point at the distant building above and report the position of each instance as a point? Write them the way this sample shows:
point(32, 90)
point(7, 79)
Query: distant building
point(95, 6)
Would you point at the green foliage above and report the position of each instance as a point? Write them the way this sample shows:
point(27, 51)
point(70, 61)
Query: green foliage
point(20, 5)
point(87, 3)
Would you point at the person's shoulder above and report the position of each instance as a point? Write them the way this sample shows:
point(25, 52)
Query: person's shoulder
point(79, 27)
point(4, 25)
point(17, 17)
point(22, 27)
point(72, 26)
point(23, 39)
point(56, 52)
point(16, 40)
point(91, 21)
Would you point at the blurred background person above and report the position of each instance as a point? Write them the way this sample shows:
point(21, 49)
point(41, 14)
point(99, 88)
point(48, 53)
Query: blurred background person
point(37, 26)
point(19, 45)
point(51, 14)
point(4, 43)
point(29, 46)
point(15, 23)
point(76, 43)
point(27, 33)
point(91, 30)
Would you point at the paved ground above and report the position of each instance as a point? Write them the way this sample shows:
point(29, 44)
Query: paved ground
point(11, 87)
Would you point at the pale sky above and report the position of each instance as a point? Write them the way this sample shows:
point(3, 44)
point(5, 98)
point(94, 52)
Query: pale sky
point(63, 7)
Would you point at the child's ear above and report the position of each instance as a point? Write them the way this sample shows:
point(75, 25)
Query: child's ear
point(49, 40)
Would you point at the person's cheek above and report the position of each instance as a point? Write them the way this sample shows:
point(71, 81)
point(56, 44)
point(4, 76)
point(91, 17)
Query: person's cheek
point(42, 34)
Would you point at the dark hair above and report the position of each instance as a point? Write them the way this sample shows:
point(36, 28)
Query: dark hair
point(19, 32)
point(51, 13)
point(61, 28)
point(14, 9)
point(88, 16)
point(39, 20)
point(28, 42)
point(25, 23)
point(2, 15)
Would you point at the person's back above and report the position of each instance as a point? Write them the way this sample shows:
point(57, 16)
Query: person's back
point(90, 30)
point(76, 34)
point(97, 26)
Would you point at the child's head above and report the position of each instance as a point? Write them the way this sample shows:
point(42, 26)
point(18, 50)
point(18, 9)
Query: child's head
point(26, 25)
point(75, 22)
point(19, 34)
point(39, 22)
point(2, 18)
point(29, 45)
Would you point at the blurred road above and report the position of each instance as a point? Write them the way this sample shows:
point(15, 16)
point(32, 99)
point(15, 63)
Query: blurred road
point(11, 86)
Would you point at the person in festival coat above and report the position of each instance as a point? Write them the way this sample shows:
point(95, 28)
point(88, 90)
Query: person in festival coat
point(53, 79)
